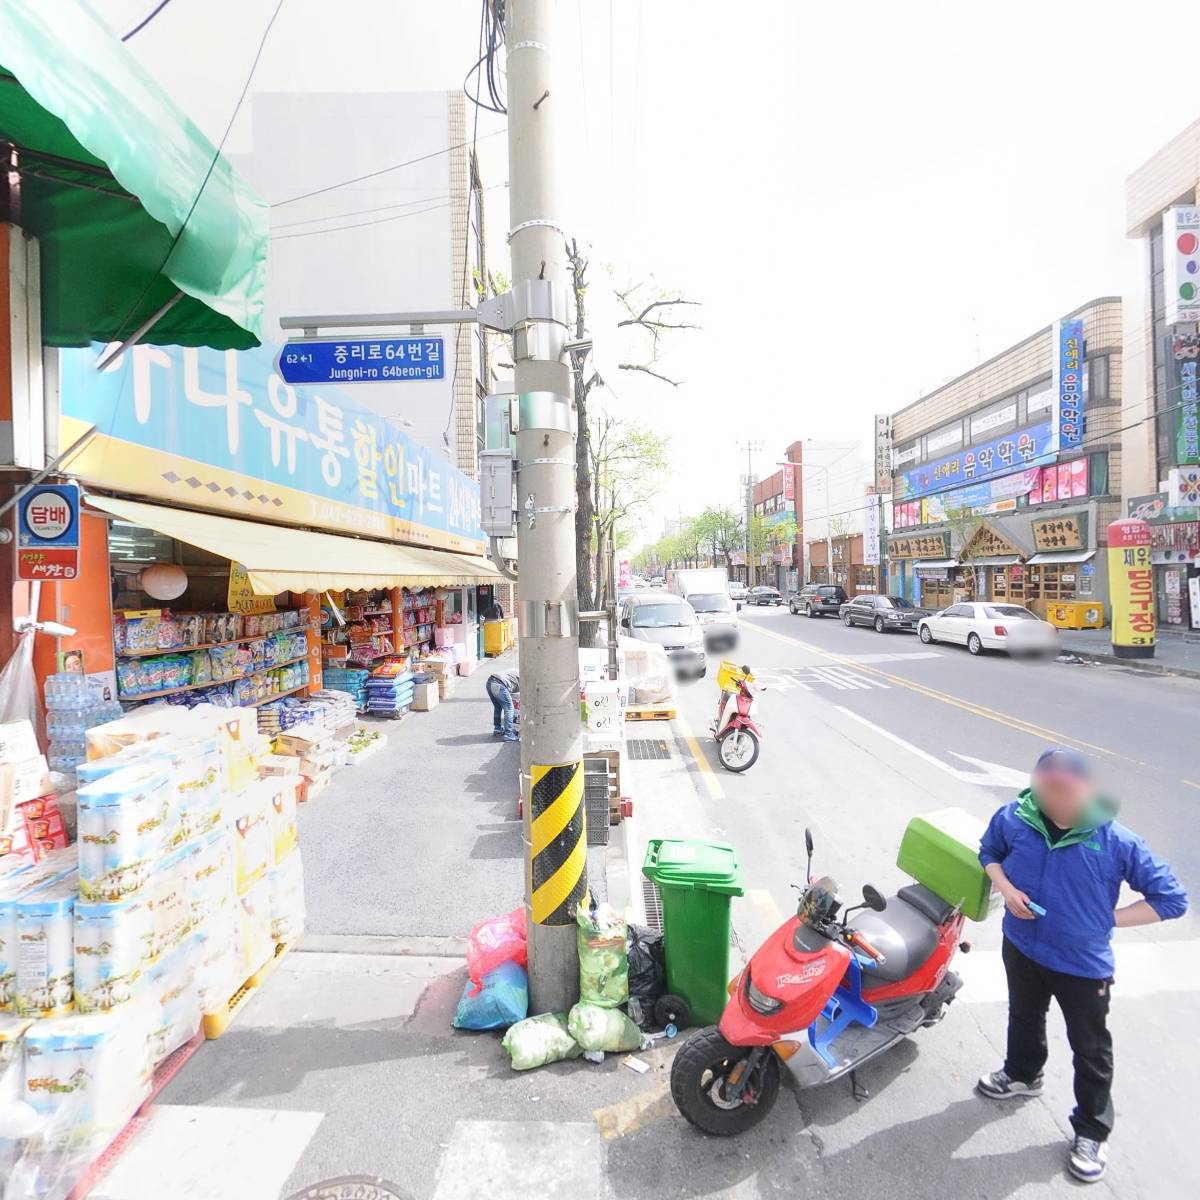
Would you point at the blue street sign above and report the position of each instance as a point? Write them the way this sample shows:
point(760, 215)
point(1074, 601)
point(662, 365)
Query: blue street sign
point(48, 532)
point(363, 360)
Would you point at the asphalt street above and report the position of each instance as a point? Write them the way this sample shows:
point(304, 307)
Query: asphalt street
point(862, 731)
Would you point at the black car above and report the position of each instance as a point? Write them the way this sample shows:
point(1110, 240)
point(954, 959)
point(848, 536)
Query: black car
point(883, 613)
point(818, 599)
point(764, 595)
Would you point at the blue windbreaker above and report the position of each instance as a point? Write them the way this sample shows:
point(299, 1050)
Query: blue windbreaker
point(1078, 883)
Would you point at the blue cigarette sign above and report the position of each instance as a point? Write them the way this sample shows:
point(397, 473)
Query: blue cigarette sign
point(363, 360)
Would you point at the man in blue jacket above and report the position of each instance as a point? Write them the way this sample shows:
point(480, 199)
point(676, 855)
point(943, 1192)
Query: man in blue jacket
point(1058, 859)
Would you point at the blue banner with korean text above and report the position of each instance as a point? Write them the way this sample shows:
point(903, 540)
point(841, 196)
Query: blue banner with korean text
point(1027, 447)
point(1068, 385)
point(222, 430)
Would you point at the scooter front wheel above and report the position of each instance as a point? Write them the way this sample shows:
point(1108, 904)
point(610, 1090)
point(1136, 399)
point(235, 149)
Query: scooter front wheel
point(705, 1074)
point(738, 749)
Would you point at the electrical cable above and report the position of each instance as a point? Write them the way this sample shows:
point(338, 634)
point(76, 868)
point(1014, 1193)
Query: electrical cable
point(284, 237)
point(146, 20)
point(124, 323)
point(333, 187)
point(437, 201)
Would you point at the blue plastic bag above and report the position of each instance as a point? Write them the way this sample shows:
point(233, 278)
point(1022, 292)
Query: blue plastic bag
point(502, 1001)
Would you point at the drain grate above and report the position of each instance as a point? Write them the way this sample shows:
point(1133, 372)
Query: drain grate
point(595, 794)
point(653, 904)
point(648, 748)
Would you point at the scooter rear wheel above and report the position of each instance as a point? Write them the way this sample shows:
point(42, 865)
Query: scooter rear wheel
point(700, 1077)
point(738, 750)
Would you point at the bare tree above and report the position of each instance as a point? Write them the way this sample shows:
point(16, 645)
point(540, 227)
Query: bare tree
point(651, 316)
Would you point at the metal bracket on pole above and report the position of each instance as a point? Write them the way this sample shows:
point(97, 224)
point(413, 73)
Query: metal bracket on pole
point(529, 300)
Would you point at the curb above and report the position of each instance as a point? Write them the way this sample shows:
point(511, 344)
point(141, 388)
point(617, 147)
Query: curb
point(1140, 666)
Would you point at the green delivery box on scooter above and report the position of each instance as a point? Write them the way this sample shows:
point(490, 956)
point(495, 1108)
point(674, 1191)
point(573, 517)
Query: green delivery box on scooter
point(941, 852)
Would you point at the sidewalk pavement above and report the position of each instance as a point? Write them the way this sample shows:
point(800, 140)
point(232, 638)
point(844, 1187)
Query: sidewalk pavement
point(345, 1062)
point(1174, 653)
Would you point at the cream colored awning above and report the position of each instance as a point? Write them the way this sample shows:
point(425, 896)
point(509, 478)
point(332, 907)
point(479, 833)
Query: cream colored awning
point(280, 559)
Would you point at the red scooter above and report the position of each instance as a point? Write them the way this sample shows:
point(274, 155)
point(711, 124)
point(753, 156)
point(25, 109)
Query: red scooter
point(736, 731)
point(822, 997)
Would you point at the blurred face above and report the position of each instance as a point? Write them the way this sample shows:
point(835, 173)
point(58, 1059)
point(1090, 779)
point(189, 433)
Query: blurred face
point(1062, 796)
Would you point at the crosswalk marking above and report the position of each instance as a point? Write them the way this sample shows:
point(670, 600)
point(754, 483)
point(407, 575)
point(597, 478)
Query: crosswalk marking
point(841, 679)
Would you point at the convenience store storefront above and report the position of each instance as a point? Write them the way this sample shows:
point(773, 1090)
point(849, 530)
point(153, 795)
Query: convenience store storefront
point(241, 536)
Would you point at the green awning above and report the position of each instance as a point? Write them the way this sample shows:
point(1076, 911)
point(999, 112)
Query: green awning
point(109, 171)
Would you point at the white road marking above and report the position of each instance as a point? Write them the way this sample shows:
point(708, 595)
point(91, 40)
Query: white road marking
point(989, 774)
point(841, 679)
point(1144, 968)
point(202, 1152)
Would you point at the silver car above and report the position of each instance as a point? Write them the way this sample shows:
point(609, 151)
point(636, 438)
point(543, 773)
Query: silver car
point(671, 622)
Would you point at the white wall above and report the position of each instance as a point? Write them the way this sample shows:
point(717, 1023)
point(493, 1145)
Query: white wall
point(397, 259)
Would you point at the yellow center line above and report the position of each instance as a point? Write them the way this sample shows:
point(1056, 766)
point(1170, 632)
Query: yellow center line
point(715, 790)
point(979, 710)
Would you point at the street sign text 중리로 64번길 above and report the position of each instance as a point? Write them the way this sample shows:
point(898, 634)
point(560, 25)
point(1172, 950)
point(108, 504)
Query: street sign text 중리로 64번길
point(363, 360)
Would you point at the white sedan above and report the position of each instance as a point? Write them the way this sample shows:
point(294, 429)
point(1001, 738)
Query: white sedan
point(985, 626)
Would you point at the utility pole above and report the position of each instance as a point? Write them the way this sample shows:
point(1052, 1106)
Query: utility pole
point(548, 610)
point(750, 449)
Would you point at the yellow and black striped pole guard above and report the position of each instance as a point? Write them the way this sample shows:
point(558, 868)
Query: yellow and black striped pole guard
point(558, 848)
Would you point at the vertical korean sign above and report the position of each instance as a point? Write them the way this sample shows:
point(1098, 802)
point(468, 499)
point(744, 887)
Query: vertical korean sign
point(48, 532)
point(1182, 357)
point(1067, 412)
point(1131, 589)
point(883, 453)
point(1181, 264)
point(871, 530)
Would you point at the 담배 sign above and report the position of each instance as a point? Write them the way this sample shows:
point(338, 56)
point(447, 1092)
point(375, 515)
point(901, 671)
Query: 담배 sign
point(362, 360)
point(48, 532)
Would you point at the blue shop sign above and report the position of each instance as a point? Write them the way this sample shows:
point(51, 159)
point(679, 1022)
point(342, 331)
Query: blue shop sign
point(1028, 447)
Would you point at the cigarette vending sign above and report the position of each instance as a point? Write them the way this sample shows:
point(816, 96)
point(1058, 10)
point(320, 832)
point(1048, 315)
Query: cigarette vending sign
point(1131, 589)
point(48, 532)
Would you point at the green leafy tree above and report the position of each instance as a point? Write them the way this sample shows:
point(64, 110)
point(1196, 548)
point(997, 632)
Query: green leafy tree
point(721, 532)
point(964, 523)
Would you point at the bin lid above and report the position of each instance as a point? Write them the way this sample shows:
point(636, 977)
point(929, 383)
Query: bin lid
point(686, 863)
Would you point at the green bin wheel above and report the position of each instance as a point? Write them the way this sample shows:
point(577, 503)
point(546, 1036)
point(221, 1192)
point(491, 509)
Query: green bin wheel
point(672, 1010)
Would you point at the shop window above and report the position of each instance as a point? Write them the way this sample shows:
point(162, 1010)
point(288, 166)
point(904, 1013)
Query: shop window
point(1097, 384)
point(1058, 581)
point(1098, 474)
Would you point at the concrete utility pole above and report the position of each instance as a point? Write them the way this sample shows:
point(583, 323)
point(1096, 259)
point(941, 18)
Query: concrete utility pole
point(551, 735)
point(750, 448)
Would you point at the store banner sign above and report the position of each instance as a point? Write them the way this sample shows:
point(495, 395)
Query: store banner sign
point(48, 532)
point(1183, 487)
point(789, 483)
point(988, 460)
point(1131, 587)
point(242, 597)
point(871, 534)
point(222, 430)
point(1060, 533)
point(996, 495)
point(1155, 510)
point(1067, 383)
point(1182, 356)
point(1181, 263)
point(883, 453)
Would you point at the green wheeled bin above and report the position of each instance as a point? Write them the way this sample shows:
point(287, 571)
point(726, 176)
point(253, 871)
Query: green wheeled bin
point(696, 880)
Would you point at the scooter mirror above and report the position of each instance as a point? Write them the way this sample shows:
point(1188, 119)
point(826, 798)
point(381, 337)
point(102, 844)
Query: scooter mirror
point(808, 842)
point(872, 898)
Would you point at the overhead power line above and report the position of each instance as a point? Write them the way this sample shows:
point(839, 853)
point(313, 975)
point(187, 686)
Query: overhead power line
point(146, 20)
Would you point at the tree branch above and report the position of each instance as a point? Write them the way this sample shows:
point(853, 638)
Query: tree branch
point(646, 370)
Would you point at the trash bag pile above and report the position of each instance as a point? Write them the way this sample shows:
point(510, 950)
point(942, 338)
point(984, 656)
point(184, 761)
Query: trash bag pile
point(622, 974)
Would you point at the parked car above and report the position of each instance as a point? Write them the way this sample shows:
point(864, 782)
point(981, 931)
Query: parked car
point(670, 621)
point(883, 613)
point(818, 600)
point(764, 595)
point(984, 626)
point(738, 591)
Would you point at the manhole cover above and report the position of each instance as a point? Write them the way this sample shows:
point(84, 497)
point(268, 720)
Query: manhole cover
point(352, 1187)
point(647, 748)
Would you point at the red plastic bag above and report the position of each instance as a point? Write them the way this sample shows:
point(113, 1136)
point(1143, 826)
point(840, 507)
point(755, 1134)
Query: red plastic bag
point(495, 941)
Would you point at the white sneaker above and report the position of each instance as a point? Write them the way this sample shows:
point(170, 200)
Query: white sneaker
point(1088, 1160)
point(999, 1086)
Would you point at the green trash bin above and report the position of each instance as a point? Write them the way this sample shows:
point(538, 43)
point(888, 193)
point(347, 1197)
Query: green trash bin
point(696, 880)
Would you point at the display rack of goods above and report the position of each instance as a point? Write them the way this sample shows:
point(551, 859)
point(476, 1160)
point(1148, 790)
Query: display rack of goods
point(390, 689)
point(72, 708)
point(353, 682)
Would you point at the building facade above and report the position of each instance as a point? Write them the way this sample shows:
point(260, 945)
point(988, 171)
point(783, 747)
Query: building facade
point(778, 502)
point(1004, 480)
point(1162, 349)
point(850, 569)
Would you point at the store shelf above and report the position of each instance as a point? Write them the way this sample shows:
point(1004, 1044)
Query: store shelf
point(254, 637)
point(377, 612)
point(276, 696)
point(194, 687)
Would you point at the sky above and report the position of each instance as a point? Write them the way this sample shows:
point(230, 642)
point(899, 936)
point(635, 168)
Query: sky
point(866, 199)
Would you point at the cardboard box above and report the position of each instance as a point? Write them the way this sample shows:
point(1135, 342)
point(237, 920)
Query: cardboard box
point(425, 696)
point(18, 742)
point(301, 741)
point(272, 765)
point(22, 781)
point(44, 827)
point(446, 687)
point(467, 666)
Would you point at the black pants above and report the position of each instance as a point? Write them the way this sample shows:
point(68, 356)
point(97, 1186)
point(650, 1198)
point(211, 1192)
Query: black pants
point(1084, 1004)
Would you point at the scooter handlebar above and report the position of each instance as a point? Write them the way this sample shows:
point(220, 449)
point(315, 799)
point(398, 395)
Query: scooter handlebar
point(857, 940)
